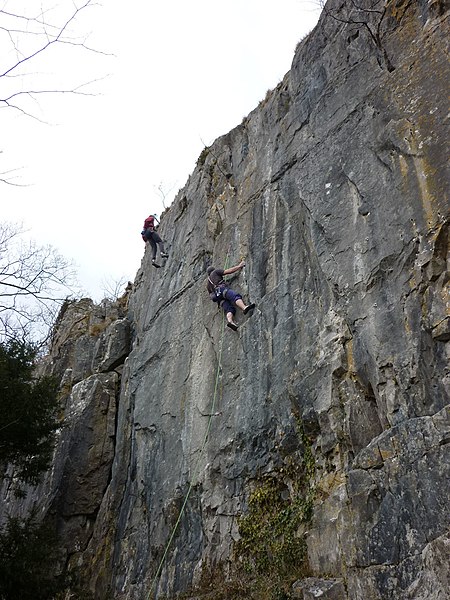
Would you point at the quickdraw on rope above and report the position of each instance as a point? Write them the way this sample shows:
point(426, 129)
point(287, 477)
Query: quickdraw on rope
point(195, 473)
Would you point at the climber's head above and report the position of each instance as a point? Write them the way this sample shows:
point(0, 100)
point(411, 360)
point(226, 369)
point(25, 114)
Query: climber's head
point(209, 270)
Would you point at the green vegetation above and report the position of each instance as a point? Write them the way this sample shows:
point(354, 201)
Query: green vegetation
point(272, 548)
point(271, 552)
point(29, 413)
point(269, 542)
point(203, 155)
point(28, 559)
point(32, 566)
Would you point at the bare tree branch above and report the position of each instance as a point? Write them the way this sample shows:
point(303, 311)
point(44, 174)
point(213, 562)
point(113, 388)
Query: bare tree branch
point(112, 289)
point(32, 93)
point(163, 193)
point(51, 38)
point(34, 283)
point(8, 180)
point(27, 36)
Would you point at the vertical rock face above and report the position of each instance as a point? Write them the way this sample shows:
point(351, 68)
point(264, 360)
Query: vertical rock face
point(334, 190)
point(89, 345)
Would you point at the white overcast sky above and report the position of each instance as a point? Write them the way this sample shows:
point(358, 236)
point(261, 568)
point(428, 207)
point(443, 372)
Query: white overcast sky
point(183, 73)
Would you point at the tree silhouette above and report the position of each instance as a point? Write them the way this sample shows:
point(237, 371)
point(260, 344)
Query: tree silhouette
point(29, 413)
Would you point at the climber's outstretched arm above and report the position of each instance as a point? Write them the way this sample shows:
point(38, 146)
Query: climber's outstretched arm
point(241, 265)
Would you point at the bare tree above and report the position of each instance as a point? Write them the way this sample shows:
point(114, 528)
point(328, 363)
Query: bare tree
point(30, 32)
point(164, 193)
point(27, 34)
point(34, 282)
point(113, 288)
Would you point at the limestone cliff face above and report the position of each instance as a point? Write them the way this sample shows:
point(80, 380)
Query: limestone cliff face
point(88, 349)
point(334, 392)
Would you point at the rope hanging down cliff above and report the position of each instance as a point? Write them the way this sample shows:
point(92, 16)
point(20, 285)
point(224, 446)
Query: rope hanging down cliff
point(195, 473)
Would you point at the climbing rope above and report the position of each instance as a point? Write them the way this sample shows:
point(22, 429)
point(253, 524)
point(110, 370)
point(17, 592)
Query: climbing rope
point(195, 472)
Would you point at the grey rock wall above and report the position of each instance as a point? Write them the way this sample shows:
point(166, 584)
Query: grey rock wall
point(335, 191)
point(88, 349)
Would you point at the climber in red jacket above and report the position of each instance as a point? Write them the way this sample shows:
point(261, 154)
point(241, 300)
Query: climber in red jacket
point(149, 235)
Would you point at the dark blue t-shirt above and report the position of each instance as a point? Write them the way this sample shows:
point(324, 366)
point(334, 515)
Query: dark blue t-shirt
point(215, 278)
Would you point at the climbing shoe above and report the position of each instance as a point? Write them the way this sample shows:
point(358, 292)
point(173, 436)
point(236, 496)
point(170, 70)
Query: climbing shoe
point(248, 308)
point(164, 255)
point(232, 325)
point(154, 263)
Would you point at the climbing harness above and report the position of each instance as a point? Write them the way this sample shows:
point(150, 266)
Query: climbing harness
point(220, 291)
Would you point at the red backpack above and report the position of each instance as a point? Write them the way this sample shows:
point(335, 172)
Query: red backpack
point(149, 222)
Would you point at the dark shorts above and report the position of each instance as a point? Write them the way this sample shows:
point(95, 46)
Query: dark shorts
point(230, 298)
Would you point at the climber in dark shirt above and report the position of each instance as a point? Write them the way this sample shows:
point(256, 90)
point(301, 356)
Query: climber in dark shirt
point(221, 293)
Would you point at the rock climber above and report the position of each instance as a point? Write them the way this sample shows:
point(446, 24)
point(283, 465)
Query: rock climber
point(149, 235)
point(222, 294)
